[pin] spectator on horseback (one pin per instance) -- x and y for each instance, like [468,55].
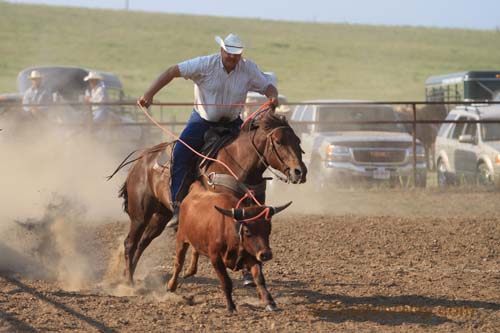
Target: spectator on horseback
[97,93]
[220,81]
[36,94]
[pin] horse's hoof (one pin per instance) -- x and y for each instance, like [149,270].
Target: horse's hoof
[171,286]
[189,274]
[231,309]
[271,307]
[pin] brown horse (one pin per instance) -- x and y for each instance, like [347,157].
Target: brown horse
[266,141]
[425,132]
[234,242]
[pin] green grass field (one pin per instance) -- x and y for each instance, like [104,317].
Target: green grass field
[312,60]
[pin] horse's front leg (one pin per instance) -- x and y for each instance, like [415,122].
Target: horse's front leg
[258,277]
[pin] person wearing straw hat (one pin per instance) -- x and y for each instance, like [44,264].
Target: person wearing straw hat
[36,94]
[220,81]
[96,93]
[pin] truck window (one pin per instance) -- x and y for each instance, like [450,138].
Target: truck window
[443,129]
[459,127]
[297,113]
[329,115]
[308,113]
[490,131]
[470,129]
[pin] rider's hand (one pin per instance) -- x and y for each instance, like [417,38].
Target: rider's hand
[274,101]
[145,101]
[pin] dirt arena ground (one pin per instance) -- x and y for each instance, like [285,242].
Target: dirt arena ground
[355,260]
[347,261]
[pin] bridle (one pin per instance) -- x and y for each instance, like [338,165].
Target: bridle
[270,142]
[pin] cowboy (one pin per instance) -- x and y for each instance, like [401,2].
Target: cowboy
[96,93]
[36,94]
[221,78]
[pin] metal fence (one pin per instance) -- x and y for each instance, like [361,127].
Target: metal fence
[168,114]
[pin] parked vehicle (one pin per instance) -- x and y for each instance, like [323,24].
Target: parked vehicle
[256,98]
[463,86]
[469,151]
[66,86]
[339,153]
[259,99]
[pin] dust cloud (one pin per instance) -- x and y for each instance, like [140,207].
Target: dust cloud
[55,198]
[382,200]
[53,185]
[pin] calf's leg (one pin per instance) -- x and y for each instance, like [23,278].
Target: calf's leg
[180,255]
[225,281]
[264,294]
[193,265]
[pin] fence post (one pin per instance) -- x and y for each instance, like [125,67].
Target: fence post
[89,117]
[172,119]
[414,144]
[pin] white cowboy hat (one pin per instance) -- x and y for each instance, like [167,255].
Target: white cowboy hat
[35,75]
[231,44]
[92,76]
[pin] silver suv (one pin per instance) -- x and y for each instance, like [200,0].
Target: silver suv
[469,151]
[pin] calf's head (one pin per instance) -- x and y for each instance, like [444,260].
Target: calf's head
[253,226]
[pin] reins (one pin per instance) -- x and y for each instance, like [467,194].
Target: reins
[263,159]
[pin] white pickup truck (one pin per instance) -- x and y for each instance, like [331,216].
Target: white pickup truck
[340,153]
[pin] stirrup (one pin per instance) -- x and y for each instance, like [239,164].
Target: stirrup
[248,280]
[174,220]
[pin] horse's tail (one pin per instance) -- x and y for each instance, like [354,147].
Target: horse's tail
[124,163]
[123,193]
[144,152]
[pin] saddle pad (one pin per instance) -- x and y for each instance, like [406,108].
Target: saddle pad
[215,139]
[164,158]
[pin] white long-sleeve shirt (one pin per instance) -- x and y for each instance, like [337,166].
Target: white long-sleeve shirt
[213,85]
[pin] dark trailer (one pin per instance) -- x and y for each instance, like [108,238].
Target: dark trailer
[463,87]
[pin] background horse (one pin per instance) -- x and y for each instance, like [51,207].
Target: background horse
[425,132]
[266,140]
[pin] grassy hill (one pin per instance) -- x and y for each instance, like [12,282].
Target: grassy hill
[312,60]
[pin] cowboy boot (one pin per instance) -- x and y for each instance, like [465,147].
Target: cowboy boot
[174,220]
[247,278]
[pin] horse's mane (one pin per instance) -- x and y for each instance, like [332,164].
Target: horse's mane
[267,120]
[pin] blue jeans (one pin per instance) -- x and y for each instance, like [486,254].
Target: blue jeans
[183,158]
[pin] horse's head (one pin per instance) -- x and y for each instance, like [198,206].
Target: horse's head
[253,225]
[277,145]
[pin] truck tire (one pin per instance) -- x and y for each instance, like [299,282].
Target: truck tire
[442,175]
[484,176]
[421,180]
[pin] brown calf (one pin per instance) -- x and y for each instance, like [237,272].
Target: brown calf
[227,243]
